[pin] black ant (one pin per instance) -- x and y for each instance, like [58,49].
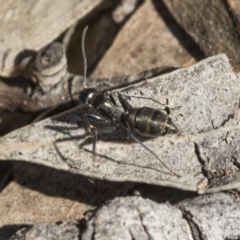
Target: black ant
[149,122]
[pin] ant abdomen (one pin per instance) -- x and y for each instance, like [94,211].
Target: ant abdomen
[149,122]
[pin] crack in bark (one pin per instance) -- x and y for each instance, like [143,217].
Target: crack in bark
[144,227]
[230,116]
[197,232]
[201,161]
[133,238]
[236,163]
[94,231]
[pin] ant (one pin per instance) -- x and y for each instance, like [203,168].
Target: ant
[148,122]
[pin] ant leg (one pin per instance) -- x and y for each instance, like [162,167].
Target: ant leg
[101,125]
[135,96]
[152,99]
[112,99]
[167,109]
[125,104]
[92,131]
[148,149]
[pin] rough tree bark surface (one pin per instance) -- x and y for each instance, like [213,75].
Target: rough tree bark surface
[206,101]
[213,217]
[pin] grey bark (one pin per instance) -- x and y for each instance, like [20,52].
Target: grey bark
[213,216]
[206,217]
[20,28]
[206,101]
[67,230]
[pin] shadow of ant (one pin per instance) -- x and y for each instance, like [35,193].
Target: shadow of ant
[105,129]
[75,120]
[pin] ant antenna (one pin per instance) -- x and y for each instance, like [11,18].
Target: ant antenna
[84,58]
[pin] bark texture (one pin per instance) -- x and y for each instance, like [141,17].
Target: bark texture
[206,101]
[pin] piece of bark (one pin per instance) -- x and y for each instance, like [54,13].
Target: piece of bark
[68,230]
[208,98]
[136,218]
[209,23]
[43,72]
[208,217]
[213,216]
[31,25]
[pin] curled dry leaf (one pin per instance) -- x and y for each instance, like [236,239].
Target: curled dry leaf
[205,102]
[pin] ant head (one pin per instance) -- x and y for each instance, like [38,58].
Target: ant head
[87,94]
